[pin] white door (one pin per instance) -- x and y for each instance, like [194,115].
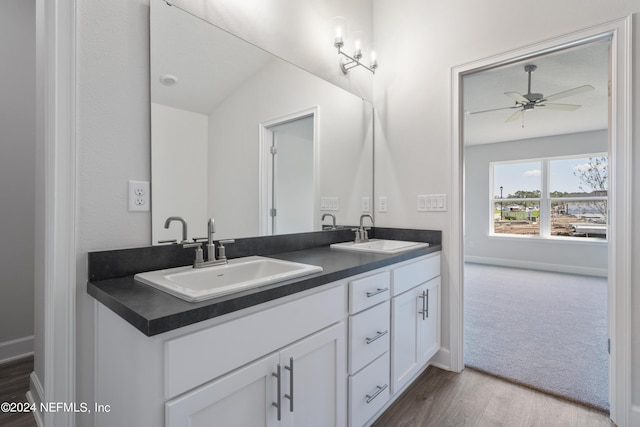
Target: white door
[292,182]
[404,337]
[242,398]
[314,380]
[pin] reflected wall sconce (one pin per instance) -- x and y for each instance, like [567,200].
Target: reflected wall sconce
[351,61]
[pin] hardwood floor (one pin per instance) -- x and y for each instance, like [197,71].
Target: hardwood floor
[14,384]
[440,398]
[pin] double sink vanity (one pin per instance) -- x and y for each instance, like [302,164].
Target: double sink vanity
[309,329]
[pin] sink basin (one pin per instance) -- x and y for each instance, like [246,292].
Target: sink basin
[198,284]
[378,246]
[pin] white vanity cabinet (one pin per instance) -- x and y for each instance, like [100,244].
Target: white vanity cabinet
[369,339]
[221,372]
[415,318]
[298,386]
[336,355]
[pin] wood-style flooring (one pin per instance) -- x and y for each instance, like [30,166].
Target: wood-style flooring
[14,384]
[440,398]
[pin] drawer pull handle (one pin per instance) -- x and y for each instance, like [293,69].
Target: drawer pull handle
[374,395]
[290,395]
[376,292]
[278,404]
[378,335]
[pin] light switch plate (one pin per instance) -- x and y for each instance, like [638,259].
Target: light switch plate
[382,204]
[432,203]
[329,203]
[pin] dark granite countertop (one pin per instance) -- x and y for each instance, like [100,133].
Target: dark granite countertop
[153,312]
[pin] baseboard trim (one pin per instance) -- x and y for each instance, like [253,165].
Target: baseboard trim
[557,268]
[442,359]
[15,349]
[34,396]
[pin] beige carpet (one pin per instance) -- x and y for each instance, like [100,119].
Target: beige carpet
[542,329]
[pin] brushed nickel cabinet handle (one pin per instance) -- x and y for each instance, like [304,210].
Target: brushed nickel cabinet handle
[378,335]
[424,297]
[376,292]
[290,395]
[278,404]
[374,395]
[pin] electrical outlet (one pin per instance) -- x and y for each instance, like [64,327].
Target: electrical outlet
[139,196]
[365,204]
[382,204]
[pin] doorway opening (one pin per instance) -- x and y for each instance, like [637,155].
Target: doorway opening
[619,199]
[288,176]
[536,150]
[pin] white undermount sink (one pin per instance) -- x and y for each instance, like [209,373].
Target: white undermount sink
[379,246]
[198,284]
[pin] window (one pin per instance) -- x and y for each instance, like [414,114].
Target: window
[551,197]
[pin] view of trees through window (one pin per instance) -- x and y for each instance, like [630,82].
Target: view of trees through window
[551,197]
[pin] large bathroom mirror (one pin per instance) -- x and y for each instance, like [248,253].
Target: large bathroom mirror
[247,138]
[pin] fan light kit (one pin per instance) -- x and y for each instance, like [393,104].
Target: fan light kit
[530,101]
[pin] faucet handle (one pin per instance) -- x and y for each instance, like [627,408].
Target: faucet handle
[199,253]
[222,250]
[167,241]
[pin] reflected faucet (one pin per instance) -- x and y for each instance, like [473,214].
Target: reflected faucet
[211,249]
[361,233]
[333,219]
[184,226]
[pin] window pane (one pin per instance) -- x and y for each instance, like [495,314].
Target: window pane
[579,218]
[581,177]
[517,181]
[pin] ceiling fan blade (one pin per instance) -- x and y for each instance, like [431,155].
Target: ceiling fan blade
[518,97]
[494,109]
[563,107]
[570,92]
[515,116]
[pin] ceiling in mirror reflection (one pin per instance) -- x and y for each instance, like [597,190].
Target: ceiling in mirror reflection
[206,147]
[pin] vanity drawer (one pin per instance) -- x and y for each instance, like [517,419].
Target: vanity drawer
[368,391]
[369,336]
[411,275]
[194,359]
[368,291]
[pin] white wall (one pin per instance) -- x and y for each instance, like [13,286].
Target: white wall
[424,41]
[345,147]
[298,31]
[17,176]
[179,173]
[557,255]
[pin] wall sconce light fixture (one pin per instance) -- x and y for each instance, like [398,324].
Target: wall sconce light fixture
[351,61]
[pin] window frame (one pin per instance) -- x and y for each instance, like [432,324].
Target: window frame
[545,201]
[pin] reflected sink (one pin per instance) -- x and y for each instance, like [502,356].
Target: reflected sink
[378,246]
[198,284]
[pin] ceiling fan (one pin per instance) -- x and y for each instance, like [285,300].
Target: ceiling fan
[529,101]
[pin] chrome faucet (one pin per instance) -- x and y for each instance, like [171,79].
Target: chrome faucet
[184,226]
[333,219]
[361,233]
[211,249]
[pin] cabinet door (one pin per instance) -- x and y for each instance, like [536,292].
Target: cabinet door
[314,380]
[242,398]
[429,320]
[404,337]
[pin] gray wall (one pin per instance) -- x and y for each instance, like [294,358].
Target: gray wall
[553,255]
[17,168]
